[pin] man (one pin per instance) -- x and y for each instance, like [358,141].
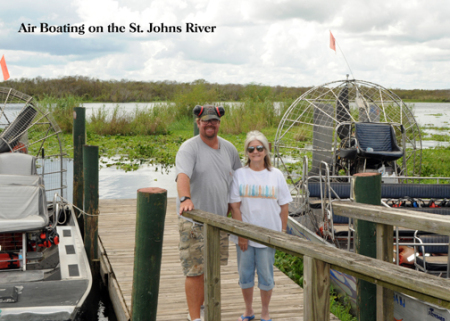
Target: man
[204,165]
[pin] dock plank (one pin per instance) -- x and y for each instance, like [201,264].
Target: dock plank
[117,223]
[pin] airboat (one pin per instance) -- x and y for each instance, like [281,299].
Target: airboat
[44,271]
[346,127]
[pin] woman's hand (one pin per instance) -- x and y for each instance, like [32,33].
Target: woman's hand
[243,244]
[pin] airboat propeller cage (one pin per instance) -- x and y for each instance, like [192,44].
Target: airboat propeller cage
[27,127]
[11,136]
[321,123]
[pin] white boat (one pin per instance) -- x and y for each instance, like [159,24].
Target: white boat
[44,271]
[345,127]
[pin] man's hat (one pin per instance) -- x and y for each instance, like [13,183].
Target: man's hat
[208,112]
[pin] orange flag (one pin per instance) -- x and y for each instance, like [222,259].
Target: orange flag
[332,42]
[4,68]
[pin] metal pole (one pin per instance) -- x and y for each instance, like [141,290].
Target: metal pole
[196,132]
[90,165]
[151,213]
[79,139]
[367,190]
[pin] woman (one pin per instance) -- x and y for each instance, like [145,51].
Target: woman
[259,195]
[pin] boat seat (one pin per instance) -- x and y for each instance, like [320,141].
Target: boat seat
[433,238]
[22,276]
[438,259]
[380,138]
[22,194]
[17,164]
[388,190]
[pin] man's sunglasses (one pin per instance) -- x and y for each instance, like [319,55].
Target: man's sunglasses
[251,149]
[211,121]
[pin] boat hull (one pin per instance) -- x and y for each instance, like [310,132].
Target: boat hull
[406,308]
[45,293]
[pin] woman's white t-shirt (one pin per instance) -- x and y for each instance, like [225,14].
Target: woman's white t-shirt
[261,194]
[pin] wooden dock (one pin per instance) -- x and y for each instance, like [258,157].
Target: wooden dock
[116,234]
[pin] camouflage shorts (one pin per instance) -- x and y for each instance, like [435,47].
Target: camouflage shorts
[191,247]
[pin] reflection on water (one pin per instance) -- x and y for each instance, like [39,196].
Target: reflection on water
[431,114]
[114,183]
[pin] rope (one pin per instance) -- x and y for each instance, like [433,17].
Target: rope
[79,209]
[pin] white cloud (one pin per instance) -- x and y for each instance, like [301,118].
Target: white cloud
[279,42]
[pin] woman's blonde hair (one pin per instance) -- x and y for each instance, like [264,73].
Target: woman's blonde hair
[257,135]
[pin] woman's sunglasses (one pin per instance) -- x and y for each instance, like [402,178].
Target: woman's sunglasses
[251,149]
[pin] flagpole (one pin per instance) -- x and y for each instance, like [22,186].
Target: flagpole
[333,43]
[351,72]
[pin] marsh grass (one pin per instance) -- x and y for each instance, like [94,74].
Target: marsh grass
[61,110]
[143,121]
[436,162]
[187,98]
[258,110]
[252,114]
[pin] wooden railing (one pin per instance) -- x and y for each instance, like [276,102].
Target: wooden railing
[318,259]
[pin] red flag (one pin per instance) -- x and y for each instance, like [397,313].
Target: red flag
[4,68]
[332,42]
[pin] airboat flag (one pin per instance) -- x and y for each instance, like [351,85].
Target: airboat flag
[332,42]
[4,68]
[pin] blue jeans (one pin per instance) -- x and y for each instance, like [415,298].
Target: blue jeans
[261,259]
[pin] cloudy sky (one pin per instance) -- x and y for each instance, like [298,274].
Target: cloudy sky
[395,43]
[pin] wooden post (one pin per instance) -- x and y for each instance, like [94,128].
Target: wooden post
[90,166]
[212,273]
[151,214]
[316,287]
[79,139]
[196,132]
[385,252]
[367,190]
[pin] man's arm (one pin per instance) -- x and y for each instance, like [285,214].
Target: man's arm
[184,189]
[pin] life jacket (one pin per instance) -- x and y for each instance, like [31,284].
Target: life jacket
[20,147]
[47,238]
[9,260]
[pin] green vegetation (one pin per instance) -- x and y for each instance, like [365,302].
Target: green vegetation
[292,266]
[153,134]
[61,110]
[91,89]
[143,121]
[436,162]
[421,95]
[95,90]
[430,126]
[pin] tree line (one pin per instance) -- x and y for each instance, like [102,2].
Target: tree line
[95,90]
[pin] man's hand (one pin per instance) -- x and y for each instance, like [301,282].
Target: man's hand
[187,205]
[184,189]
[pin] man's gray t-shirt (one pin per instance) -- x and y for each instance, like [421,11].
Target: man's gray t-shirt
[210,172]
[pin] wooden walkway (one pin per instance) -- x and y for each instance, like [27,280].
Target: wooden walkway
[116,234]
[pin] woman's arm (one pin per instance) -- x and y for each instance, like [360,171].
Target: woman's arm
[237,215]
[284,216]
